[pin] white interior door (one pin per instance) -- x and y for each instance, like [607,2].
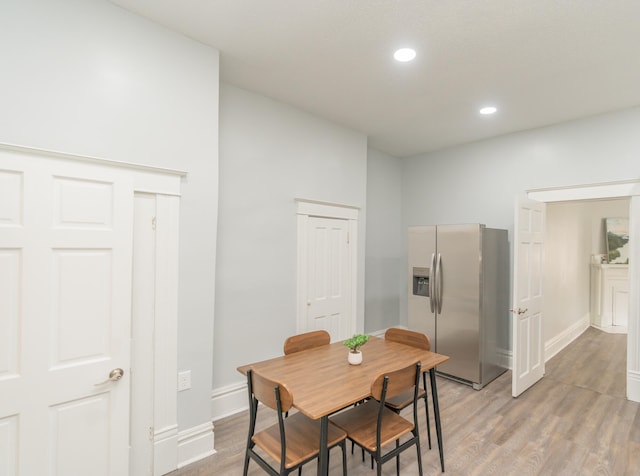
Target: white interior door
[527,337]
[328,280]
[65,306]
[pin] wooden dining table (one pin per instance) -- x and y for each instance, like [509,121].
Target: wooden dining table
[323,382]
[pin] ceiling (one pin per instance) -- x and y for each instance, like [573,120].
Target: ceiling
[540,62]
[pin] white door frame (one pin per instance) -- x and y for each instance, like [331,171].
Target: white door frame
[305,209]
[165,185]
[154,408]
[631,189]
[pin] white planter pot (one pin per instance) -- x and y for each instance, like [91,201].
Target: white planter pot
[355,358]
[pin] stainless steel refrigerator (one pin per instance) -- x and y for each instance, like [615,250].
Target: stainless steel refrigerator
[459,297]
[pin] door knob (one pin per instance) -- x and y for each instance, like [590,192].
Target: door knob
[519,311]
[114,376]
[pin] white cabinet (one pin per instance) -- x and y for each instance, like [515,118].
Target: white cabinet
[609,295]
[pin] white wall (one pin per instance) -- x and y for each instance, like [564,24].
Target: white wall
[271,154]
[574,232]
[479,182]
[385,261]
[86,77]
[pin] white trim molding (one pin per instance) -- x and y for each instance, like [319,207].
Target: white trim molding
[195,444]
[633,386]
[165,456]
[229,400]
[633,336]
[566,337]
[594,191]
[505,358]
[326,209]
[86,158]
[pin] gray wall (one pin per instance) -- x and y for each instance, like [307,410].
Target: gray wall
[271,154]
[87,77]
[385,261]
[479,182]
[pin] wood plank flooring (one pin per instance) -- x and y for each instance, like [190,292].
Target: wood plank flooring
[575,421]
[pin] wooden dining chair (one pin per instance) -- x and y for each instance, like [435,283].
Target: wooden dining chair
[304,341]
[421,341]
[307,340]
[291,442]
[373,426]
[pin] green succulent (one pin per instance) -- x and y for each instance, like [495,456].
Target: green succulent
[357,341]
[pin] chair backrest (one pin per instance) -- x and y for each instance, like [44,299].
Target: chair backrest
[265,391]
[412,338]
[305,341]
[390,384]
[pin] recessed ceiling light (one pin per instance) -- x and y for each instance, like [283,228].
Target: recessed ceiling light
[488,110]
[404,54]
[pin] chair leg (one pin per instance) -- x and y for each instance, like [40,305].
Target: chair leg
[397,459]
[343,445]
[426,411]
[426,406]
[436,413]
[419,459]
[246,464]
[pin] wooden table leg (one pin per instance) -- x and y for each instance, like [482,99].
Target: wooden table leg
[436,411]
[323,457]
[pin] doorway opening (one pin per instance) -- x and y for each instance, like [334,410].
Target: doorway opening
[629,190]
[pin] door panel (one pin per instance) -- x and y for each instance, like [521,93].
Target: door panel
[80,305]
[65,234]
[328,283]
[73,426]
[458,324]
[10,260]
[527,339]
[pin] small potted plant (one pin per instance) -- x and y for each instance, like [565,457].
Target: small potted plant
[354,343]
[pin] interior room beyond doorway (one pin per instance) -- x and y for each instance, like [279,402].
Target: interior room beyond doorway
[574,234]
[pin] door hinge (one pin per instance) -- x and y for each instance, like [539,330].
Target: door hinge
[348,238]
[153,223]
[150,433]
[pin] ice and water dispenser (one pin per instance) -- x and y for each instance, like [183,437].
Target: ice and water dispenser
[421,282]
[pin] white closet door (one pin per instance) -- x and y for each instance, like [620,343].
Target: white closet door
[328,282]
[65,306]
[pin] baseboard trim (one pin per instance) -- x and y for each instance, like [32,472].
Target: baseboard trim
[505,358]
[195,443]
[229,400]
[165,450]
[566,337]
[633,385]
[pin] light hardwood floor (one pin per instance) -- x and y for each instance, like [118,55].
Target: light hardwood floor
[575,421]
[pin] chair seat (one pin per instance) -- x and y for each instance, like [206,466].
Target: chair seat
[360,424]
[302,439]
[402,401]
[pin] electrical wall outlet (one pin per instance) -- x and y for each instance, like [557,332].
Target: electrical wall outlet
[184,380]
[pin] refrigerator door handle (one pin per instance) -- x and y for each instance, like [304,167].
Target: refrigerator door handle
[439,284]
[432,284]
